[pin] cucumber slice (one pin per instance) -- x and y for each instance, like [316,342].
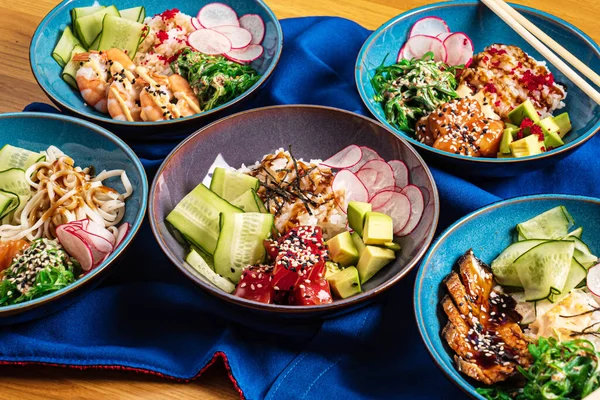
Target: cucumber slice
[9,202]
[197,217]
[136,14]
[503,267]
[259,203]
[241,243]
[70,71]
[543,270]
[13,181]
[16,157]
[200,265]
[576,233]
[88,28]
[552,224]
[95,44]
[246,202]
[120,33]
[64,47]
[84,11]
[205,256]
[583,254]
[577,274]
[230,184]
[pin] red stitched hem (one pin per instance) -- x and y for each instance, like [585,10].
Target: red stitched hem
[142,371]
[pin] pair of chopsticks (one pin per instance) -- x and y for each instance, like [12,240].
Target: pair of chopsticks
[534,36]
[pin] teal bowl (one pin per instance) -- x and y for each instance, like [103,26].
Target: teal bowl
[487,231]
[485,28]
[48,73]
[87,144]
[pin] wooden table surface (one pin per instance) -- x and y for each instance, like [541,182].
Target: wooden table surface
[18,20]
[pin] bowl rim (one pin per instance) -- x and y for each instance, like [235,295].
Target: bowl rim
[106,119]
[359,71]
[135,226]
[452,374]
[284,309]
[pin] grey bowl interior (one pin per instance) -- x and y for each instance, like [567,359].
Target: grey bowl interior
[314,132]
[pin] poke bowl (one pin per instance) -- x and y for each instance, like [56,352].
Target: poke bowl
[290,227]
[465,89]
[506,298]
[139,67]
[73,198]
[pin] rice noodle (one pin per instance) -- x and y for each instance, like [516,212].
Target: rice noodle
[63,193]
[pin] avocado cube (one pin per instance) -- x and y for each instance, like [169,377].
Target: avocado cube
[502,155]
[356,215]
[378,229]
[528,146]
[550,130]
[331,269]
[564,124]
[358,243]
[525,110]
[548,124]
[372,260]
[342,249]
[508,125]
[392,246]
[345,283]
[507,139]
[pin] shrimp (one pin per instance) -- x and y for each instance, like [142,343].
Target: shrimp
[92,79]
[187,102]
[155,98]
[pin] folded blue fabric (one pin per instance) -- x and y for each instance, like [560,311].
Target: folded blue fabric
[147,316]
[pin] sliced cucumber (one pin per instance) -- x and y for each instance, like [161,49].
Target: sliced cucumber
[230,184]
[583,254]
[136,14]
[576,233]
[13,181]
[200,265]
[503,267]
[205,256]
[84,11]
[246,202]
[70,71]
[543,270]
[577,274]
[241,242]
[64,47]
[16,157]
[95,44]
[9,202]
[88,28]
[120,33]
[197,217]
[552,224]
[261,205]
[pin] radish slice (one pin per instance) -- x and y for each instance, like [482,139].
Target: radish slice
[593,281]
[123,231]
[460,49]
[431,26]
[345,158]
[400,173]
[355,190]
[76,247]
[368,154]
[255,25]
[443,36]
[217,14]
[209,42]
[239,37]
[416,209]
[196,24]
[396,205]
[417,46]
[101,231]
[376,176]
[99,247]
[247,54]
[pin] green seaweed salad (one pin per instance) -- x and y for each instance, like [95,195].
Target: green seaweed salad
[411,89]
[560,370]
[215,79]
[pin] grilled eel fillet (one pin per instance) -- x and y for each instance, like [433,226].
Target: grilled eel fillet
[482,325]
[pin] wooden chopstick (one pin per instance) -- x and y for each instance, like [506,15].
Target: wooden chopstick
[542,49]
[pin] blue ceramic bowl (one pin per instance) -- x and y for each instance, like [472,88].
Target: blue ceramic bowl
[88,144]
[485,28]
[48,73]
[487,231]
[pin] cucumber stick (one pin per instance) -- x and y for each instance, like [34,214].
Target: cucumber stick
[241,243]
[88,28]
[120,33]
[503,267]
[552,224]
[230,184]
[543,270]
[16,157]
[64,47]
[197,217]
[247,202]
[201,266]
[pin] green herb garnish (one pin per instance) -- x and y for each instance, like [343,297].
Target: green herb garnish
[413,88]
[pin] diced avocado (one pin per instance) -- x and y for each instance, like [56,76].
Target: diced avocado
[502,155]
[372,260]
[331,269]
[527,146]
[564,124]
[358,243]
[345,283]
[342,249]
[392,246]
[356,215]
[548,124]
[507,139]
[550,130]
[525,110]
[378,229]
[508,125]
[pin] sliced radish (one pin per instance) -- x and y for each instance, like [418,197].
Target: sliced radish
[400,173]
[394,204]
[101,231]
[247,54]
[99,247]
[355,190]
[443,36]
[345,158]
[122,232]
[209,42]
[417,205]
[593,281]
[376,176]
[460,49]
[76,247]
[196,24]
[217,14]
[239,37]
[431,26]
[419,45]
[255,25]
[368,154]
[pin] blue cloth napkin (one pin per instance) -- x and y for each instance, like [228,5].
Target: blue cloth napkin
[148,317]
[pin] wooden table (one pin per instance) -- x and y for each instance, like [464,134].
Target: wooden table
[18,20]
